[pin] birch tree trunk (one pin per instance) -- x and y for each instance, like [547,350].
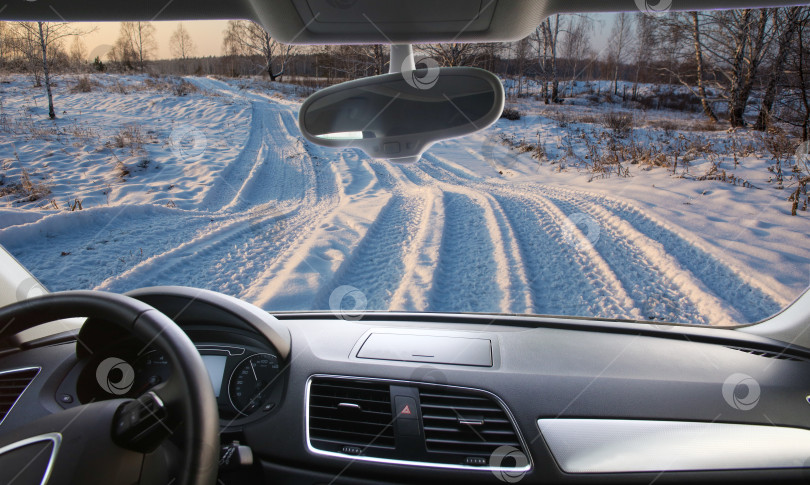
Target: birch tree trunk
[783,47]
[704,101]
[44,47]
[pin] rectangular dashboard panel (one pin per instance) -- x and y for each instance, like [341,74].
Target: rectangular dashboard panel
[433,349]
[630,446]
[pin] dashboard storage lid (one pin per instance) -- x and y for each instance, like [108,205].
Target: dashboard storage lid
[435,349]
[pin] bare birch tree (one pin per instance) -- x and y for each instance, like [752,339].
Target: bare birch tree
[246,38]
[38,41]
[180,43]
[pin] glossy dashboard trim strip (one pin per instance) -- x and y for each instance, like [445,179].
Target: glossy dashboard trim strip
[628,446]
[500,471]
[56,438]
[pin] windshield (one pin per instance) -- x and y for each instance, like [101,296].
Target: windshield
[648,166]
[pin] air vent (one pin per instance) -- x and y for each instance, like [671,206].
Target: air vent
[12,385]
[767,353]
[466,427]
[351,417]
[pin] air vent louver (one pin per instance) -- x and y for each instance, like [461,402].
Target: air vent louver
[464,426]
[767,353]
[12,385]
[350,416]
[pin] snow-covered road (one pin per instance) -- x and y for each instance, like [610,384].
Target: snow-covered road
[284,224]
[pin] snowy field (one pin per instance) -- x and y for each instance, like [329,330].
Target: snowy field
[217,189]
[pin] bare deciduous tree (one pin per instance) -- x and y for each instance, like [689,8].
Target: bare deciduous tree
[180,44]
[619,45]
[37,42]
[246,38]
[576,43]
[547,35]
[454,54]
[135,43]
[78,52]
[786,22]
[792,106]
[645,46]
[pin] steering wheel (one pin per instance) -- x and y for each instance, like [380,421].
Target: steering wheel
[108,441]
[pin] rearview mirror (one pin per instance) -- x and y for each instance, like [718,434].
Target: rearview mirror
[399,115]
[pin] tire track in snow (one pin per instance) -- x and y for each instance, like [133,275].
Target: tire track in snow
[563,281]
[230,180]
[413,292]
[416,175]
[376,266]
[660,287]
[444,171]
[519,294]
[669,293]
[510,273]
[122,237]
[247,243]
[281,198]
[466,277]
[279,173]
[521,277]
[740,293]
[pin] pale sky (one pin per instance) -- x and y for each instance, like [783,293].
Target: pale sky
[206,34]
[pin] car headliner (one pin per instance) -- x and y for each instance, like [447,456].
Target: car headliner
[361,21]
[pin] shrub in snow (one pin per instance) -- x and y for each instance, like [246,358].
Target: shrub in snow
[620,123]
[511,114]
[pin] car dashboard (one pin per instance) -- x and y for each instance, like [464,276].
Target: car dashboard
[427,398]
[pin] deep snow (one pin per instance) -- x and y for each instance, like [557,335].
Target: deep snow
[221,192]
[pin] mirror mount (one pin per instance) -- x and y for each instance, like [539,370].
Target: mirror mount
[401,58]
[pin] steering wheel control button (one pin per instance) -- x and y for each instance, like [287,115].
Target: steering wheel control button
[234,455]
[139,424]
[66,398]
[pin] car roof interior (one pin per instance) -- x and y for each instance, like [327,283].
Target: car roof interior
[358,21]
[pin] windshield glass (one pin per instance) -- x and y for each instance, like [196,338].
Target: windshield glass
[648,166]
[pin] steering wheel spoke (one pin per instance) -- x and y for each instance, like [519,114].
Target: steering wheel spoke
[109,440]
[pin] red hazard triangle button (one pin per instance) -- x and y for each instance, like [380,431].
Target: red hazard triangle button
[406,407]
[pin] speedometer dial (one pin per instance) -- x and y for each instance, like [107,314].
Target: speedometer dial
[251,382]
